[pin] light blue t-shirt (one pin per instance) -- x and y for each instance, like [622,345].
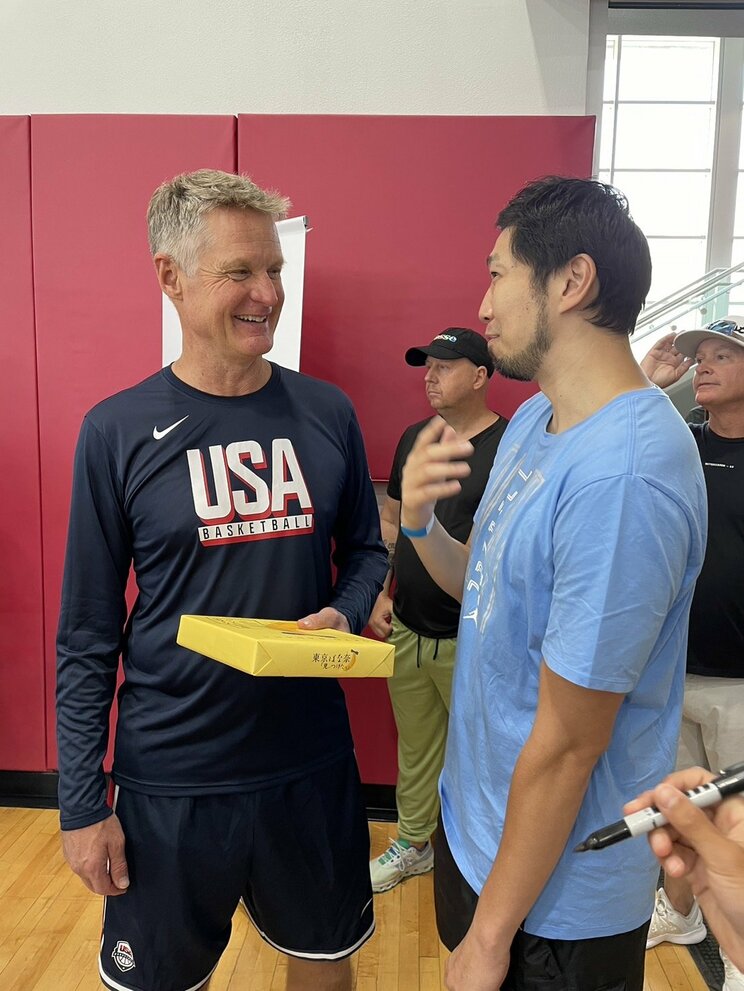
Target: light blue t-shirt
[585,550]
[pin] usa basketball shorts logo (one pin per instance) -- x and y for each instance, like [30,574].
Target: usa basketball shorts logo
[123,956]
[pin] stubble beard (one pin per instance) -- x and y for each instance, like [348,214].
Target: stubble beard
[524,366]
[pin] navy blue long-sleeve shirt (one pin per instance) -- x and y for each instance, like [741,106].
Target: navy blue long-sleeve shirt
[224,506]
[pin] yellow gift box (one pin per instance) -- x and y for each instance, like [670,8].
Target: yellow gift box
[275,648]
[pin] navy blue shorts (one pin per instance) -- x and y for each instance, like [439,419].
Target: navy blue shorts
[296,853]
[603,963]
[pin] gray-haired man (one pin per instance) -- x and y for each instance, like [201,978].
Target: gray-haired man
[223,480]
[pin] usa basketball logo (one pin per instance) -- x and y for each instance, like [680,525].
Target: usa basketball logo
[123,956]
[241,493]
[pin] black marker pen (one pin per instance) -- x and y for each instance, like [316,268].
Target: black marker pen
[729,782]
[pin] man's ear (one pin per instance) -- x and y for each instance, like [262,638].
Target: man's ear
[481,377]
[580,285]
[169,276]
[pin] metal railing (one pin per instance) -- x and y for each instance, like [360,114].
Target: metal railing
[707,297]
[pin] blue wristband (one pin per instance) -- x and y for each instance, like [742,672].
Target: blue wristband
[415,534]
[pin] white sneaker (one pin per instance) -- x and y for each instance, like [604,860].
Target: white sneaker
[733,978]
[399,862]
[670,926]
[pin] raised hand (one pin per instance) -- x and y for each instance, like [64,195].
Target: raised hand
[664,364]
[432,471]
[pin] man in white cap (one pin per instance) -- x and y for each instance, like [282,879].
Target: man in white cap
[713,716]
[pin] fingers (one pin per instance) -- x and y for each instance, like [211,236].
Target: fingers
[381,628]
[432,471]
[688,779]
[663,346]
[439,442]
[685,780]
[310,622]
[642,802]
[676,858]
[96,854]
[680,860]
[327,618]
[729,817]
[380,621]
[424,490]
[96,878]
[100,883]
[689,821]
[437,466]
[684,365]
[666,343]
[664,350]
[432,432]
[118,870]
[691,835]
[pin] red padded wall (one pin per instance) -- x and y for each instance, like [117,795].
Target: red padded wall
[22,727]
[98,305]
[403,212]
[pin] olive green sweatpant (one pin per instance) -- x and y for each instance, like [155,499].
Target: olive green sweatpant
[420,691]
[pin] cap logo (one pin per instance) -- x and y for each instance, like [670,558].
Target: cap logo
[123,956]
[446,337]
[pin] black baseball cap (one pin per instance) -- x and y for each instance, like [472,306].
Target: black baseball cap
[454,342]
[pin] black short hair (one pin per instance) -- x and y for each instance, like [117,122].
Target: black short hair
[554,219]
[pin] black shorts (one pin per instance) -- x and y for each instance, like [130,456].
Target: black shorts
[296,853]
[604,963]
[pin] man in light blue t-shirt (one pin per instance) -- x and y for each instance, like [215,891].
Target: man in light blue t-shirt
[575,588]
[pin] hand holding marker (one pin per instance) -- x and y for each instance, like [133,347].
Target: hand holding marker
[730,782]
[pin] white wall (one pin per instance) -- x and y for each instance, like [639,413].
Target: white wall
[294,56]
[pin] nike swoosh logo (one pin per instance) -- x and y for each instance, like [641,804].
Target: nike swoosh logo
[159,434]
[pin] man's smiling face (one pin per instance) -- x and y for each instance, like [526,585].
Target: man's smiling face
[232,302]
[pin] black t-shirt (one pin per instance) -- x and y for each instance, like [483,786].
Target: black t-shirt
[716,645]
[418,601]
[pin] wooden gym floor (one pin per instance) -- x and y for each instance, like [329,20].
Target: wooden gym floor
[49,928]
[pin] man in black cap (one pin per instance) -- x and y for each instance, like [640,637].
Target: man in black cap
[420,619]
